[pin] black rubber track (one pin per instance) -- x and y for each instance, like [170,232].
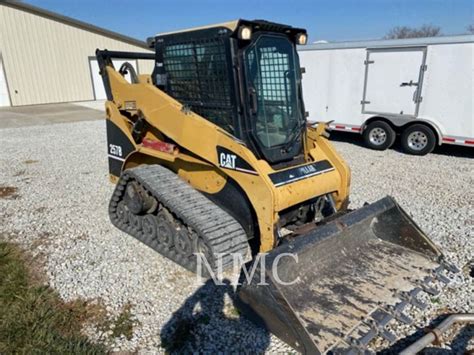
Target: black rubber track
[187,210]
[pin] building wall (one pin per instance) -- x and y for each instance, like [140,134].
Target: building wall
[47,61]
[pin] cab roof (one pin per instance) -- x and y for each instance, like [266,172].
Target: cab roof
[257,25]
[231,25]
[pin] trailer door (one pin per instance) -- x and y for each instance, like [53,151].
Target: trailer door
[393,81]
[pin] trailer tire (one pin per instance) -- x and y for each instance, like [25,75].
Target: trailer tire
[379,135]
[418,139]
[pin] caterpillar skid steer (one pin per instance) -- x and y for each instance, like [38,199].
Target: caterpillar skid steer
[211,154]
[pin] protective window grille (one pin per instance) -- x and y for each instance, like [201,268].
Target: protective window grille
[198,77]
[274,70]
[270,69]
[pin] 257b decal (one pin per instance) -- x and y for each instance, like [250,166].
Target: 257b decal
[115,150]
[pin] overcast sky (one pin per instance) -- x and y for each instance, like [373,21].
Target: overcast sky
[329,20]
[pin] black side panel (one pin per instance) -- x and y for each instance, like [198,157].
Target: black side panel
[232,199]
[118,147]
[301,172]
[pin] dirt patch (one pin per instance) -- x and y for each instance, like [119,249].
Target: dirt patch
[9,192]
[30,161]
[41,209]
[82,236]
[468,269]
[44,239]
[178,274]
[19,173]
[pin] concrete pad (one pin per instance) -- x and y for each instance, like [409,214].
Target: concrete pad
[35,115]
[95,105]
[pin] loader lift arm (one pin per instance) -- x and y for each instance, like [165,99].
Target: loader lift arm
[104,59]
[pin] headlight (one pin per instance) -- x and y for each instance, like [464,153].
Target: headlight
[301,38]
[245,32]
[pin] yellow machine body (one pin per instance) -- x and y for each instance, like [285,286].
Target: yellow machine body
[196,161]
[211,156]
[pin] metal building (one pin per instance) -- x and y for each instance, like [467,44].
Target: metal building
[47,58]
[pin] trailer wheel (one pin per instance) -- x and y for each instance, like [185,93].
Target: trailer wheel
[379,135]
[418,140]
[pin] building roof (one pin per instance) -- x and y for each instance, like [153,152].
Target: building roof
[406,42]
[72,22]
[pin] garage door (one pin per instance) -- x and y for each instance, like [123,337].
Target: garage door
[393,81]
[99,91]
[4,97]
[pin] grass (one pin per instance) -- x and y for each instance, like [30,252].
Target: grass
[121,325]
[33,318]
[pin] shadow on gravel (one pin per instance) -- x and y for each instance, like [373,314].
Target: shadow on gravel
[201,325]
[345,137]
[445,149]
[458,345]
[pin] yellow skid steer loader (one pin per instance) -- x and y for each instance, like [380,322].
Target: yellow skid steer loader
[211,154]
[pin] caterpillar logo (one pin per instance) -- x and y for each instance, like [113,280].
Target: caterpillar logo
[227,160]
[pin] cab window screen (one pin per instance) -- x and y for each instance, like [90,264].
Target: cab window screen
[270,67]
[198,76]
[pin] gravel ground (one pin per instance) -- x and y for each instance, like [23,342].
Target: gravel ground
[59,212]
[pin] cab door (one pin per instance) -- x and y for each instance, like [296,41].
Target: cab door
[393,81]
[271,70]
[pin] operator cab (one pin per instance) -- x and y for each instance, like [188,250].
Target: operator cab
[243,76]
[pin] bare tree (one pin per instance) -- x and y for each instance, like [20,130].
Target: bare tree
[470,29]
[413,32]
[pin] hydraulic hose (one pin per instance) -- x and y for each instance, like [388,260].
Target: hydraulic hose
[128,68]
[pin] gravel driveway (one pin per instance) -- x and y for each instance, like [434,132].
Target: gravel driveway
[59,211]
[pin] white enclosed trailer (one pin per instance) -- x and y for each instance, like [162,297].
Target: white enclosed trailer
[420,89]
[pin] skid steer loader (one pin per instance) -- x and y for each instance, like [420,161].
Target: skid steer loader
[211,154]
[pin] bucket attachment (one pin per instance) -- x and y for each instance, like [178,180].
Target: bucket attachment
[340,284]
